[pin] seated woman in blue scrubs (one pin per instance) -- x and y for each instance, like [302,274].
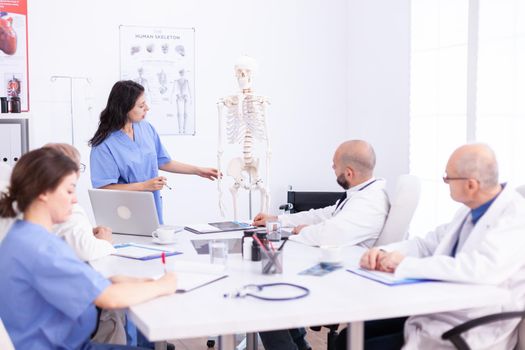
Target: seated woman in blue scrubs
[47,295]
[126,150]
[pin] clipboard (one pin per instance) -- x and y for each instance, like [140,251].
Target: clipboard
[222,226]
[141,252]
[197,281]
[384,277]
[194,275]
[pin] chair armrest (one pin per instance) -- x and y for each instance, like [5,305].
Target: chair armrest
[286,207]
[454,334]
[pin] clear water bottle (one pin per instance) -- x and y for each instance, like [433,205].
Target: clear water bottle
[247,248]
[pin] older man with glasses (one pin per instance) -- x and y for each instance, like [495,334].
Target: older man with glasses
[483,244]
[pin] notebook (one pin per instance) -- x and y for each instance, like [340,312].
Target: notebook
[141,252]
[194,275]
[223,226]
[189,281]
[384,277]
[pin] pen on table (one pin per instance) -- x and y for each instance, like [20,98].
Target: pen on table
[163,257]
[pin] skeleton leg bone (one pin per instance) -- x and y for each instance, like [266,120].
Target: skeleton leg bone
[235,169]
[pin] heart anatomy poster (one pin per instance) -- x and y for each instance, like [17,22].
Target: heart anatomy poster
[14,80]
[162,60]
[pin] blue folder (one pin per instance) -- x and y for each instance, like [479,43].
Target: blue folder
[383,277]
[141,252]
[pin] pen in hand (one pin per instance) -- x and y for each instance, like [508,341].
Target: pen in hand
[169,188]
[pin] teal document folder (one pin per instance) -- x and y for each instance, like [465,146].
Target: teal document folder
[384,277]
[141,252]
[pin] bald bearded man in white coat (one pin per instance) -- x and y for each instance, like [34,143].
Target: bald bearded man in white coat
[483,244]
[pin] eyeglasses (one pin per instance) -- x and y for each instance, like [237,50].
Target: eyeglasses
[82,167]
[447,178]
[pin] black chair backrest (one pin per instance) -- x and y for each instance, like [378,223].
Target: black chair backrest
[303,201]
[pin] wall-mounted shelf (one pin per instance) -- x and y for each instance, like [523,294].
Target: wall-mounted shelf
[14,137]
[10,116]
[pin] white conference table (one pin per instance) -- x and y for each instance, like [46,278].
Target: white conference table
[338,297]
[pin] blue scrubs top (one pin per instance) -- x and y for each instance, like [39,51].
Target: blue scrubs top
[120,160]
[46,292]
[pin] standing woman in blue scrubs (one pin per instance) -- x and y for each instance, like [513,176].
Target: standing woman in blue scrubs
[126,150]
[47,295]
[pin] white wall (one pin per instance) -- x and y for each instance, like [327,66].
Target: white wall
[303,52]
[379,80]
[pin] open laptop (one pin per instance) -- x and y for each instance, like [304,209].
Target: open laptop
[125,212]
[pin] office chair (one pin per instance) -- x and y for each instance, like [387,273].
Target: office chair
[454,334]
[403,203]
[5,341]
[303,201]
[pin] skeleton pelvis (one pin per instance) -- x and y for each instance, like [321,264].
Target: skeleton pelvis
[237,166]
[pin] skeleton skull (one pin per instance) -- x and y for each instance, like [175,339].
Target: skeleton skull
[244,69]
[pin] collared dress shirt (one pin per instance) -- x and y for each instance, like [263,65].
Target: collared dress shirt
[356,221]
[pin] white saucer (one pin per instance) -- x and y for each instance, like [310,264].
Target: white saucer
[157,241]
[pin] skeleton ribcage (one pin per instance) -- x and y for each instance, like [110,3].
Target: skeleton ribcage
[246,122]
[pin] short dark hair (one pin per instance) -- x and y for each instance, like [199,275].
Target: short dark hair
[36,172]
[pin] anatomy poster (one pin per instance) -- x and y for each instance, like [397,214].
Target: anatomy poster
[14,80]
[163,61]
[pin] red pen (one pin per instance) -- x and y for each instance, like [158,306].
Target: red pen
[163,257]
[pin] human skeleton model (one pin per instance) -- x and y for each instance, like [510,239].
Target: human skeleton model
[245,122]
[181,88]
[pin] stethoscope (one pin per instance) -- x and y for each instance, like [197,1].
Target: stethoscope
[249,290]
[340,205]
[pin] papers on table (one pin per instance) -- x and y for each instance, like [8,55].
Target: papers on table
[384,277]
[192,275]
[141,252]
[213,227]
[202,228]
[188,281]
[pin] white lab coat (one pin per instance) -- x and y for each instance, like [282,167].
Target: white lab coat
[77,231]
[358,222]
[493,253]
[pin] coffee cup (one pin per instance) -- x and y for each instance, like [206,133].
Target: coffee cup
[330,254]
[164,234]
